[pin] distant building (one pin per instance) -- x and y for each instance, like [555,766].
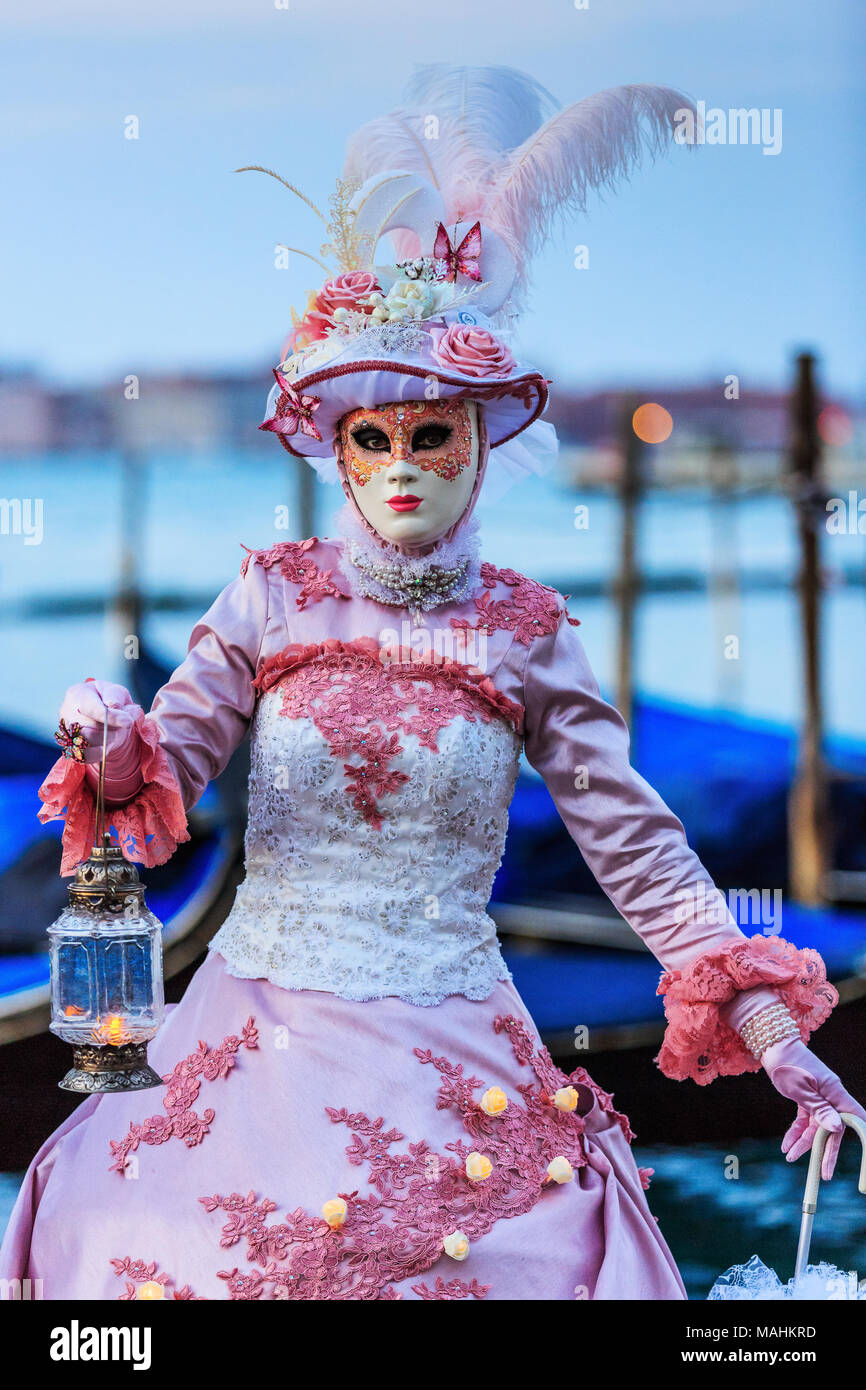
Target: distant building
[197,413]
[712,436]
[27,414]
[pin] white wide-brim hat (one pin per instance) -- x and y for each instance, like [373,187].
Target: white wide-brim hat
[465,180]
[401,362]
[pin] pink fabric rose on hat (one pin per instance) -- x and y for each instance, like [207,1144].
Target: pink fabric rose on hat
[347,292]
[472,352]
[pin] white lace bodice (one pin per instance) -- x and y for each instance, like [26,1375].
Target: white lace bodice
[334,902]
[384,760]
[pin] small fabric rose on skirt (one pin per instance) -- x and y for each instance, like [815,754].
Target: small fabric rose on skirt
[478,1167]
[456,1245]
[559,1170]
[151,1290]
[494,1101]
[566,1099]
[334,1212]
[472,352]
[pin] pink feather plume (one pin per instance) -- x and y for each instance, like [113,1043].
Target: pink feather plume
[495,144]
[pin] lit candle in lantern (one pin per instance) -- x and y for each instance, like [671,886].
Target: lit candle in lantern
[112,1033]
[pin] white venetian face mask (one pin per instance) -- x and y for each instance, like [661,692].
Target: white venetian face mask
[411,466]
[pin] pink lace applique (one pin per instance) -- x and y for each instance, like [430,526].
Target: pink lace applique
[180,1121]
[148,828]
[417,1198]
[361,704]
[531,610]
[543,1065]
[298,567]
[137,1272]
[697,1042]
[455,1288]
[646,1176]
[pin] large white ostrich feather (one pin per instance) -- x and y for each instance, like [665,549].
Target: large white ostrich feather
[493,142]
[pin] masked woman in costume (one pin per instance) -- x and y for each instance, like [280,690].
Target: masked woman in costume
[357,1102]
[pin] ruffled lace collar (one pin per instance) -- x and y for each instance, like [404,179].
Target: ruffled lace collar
[380,571]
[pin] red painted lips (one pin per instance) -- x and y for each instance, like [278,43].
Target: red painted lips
[404,502]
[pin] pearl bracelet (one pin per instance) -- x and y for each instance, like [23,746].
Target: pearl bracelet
[769,1026]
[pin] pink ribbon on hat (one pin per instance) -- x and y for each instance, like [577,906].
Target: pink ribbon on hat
[293,412]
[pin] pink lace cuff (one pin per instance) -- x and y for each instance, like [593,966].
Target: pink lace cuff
[148,829]
[698,1043]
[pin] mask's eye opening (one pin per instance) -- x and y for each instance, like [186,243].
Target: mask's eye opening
[371,438]
[431,436]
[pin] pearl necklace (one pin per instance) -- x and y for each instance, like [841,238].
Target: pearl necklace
[395,585]
[416,582]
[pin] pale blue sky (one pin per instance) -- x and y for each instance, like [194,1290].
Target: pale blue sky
[131,256]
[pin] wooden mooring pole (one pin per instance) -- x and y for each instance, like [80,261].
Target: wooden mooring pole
[306,499]
[808,829]
[628,580]
[126,612]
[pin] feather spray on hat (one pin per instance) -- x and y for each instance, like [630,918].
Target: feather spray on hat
[467,178]
[496,146]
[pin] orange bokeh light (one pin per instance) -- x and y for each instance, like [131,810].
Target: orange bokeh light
[652,423]
[834,426]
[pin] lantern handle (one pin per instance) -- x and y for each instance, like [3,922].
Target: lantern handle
[100,785]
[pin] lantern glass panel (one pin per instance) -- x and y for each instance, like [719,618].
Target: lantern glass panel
[106,976]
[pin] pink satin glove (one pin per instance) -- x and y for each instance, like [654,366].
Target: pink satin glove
[819,1094]
[93,704]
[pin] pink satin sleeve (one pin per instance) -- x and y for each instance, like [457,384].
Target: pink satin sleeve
[204,711]
[634,845]
[638,852]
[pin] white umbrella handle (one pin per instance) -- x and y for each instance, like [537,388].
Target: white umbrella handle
[813,1182]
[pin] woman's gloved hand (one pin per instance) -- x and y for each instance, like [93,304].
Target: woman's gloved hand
[819,1095]
[95,704]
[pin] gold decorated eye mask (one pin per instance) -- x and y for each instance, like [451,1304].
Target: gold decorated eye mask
[435,435]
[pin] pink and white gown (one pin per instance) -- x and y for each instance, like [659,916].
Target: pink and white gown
[354,1010]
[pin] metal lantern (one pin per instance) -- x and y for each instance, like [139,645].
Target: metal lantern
[106,976]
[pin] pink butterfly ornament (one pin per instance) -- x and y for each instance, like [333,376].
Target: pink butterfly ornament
[462,258]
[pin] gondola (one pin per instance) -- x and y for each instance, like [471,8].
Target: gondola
[586,978]
[729,780]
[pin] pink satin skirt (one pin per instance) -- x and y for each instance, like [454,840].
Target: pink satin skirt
[278,1102]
